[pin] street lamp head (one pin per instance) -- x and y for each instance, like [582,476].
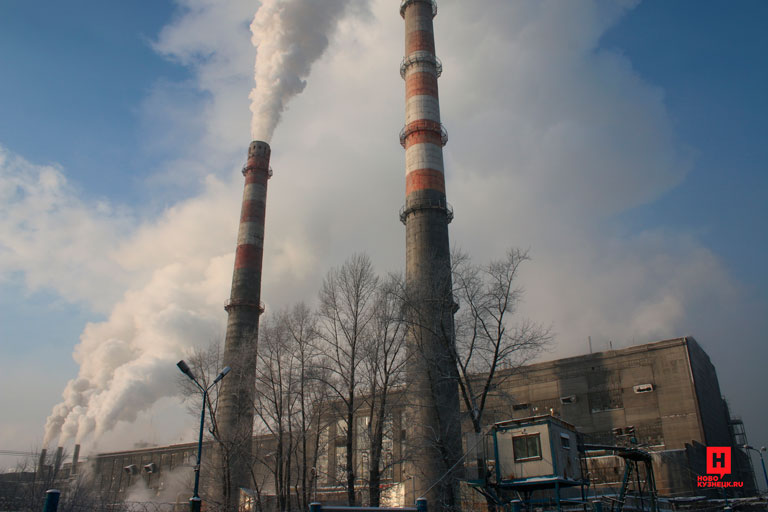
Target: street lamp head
[221,375]
[185,369]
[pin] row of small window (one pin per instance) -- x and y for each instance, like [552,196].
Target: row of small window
[571,399]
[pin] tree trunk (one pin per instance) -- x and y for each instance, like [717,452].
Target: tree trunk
[374,485]
[350,458]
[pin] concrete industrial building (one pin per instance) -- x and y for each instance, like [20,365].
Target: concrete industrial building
[667,390]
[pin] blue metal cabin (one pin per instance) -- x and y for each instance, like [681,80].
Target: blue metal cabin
[538,453]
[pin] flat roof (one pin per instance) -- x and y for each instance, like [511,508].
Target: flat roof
[534,420]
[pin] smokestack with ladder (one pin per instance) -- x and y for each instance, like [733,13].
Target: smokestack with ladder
[244,308]
[434,439]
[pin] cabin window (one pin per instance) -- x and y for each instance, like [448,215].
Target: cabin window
[526,447]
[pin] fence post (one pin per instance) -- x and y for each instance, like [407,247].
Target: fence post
[51,500]
[421,505]
[315,507]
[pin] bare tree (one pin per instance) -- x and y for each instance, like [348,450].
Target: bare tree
[487,337]
[275,403]
[301,324]
[290,404]
[384,364]
[347,300]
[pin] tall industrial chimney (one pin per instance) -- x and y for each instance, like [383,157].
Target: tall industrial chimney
[57,460]
[434,436]
[41,464]
[75,460]
[244,307]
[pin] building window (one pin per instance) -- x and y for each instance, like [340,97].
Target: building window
[565,441]
[526,447]
[520,407]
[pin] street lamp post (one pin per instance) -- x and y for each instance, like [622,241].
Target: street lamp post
[762,461]
[195,502]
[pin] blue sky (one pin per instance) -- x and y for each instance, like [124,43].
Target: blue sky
[705,57]
[80,74]
[622,143]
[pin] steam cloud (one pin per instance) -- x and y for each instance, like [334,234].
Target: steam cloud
[290,36]
[542,155]
[126,363]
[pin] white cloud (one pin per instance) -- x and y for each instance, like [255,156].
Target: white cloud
[55,239]
[550,137]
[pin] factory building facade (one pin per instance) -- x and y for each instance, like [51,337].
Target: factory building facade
[666,393]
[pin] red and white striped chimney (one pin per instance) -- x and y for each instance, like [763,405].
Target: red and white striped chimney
[433,447]
[246,280]
[423,135]
[244,308]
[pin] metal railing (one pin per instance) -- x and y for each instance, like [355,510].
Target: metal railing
[420,56]
[424,125]
[246,168]
[421,506]
[405,3]
[405,211]
[243,304]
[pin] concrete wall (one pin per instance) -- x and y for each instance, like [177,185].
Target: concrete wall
[113,481]
[596,393]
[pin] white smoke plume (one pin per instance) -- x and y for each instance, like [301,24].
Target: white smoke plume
[551,135]
[290,35]
[179,265]
[127,361]
[176,483]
